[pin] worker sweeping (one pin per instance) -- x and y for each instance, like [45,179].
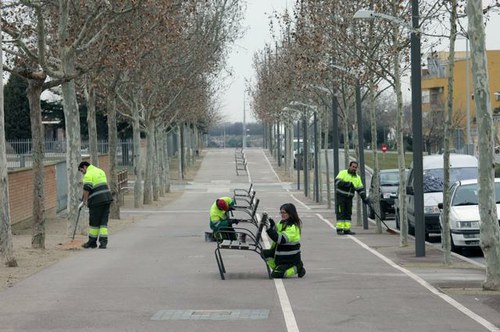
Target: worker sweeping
[98,198]
[348,182]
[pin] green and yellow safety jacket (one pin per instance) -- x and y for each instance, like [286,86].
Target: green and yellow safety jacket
[348,184]
[286,243]
[95,182]
[220,218]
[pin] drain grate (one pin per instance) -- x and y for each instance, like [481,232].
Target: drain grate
[244,314]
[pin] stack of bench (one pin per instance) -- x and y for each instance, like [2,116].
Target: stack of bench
[240,160]
[248,235]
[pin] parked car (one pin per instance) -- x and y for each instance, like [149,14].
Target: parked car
[396,203]
[464,213]
[462,167]
[389,181]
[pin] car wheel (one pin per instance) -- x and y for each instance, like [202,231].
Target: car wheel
[382,214]
[411,229]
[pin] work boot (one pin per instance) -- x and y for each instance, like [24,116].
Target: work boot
[103,243]
[348,232]
[91,243]
[340,231]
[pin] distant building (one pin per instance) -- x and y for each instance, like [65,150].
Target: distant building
[435,90]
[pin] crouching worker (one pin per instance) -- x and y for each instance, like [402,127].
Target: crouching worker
[284,256]
[219,219]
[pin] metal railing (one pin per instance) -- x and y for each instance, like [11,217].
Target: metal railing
[19,152]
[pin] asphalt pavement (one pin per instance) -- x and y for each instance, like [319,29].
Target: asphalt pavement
[159,274]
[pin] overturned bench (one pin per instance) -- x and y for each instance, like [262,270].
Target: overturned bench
[252,243]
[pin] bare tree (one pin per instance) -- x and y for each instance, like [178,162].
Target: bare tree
[6,249]
[490,233]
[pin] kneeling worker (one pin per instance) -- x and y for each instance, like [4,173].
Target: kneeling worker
[284,256]
[219,218]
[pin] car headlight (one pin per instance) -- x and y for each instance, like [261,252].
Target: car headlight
[468,224]
[386,195]
[431,209]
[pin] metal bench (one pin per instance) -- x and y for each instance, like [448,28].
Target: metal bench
[245,202]
[241,161]
[252,243]
[239,192]
[250,211]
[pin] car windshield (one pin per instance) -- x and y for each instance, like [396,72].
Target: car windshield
[467,194]
[389,179]
[433,178]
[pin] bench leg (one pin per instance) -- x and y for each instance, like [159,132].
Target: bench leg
[220,264]
[268,271]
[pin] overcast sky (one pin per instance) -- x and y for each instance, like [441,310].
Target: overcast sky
[257,34]
[257,25]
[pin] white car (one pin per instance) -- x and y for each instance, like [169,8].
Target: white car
[464,214]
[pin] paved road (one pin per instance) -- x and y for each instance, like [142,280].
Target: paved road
[160,275]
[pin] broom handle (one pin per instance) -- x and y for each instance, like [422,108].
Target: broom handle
[76,224]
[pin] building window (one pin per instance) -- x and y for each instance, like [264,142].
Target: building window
[425,96]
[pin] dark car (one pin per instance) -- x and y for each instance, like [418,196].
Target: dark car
[389,182]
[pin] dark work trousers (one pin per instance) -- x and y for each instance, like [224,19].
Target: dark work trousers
[98,221]
[343,207]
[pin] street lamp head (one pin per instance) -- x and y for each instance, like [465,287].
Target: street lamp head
[364,13]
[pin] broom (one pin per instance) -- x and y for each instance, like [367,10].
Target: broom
[388,229]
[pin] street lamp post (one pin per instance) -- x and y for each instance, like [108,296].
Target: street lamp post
[244,138]
[416,102]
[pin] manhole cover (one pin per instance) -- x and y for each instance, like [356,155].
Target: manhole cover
[245,314]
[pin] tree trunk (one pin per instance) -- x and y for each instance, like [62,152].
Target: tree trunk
[73,140]
[487,206]
[114,212]
[403,220]
[156,166]
[6,248]
[448,116]
[136,125]
[180,149]
[35,88]
[90,96]
[376,167]
[327,165]
[167,163]
[161,139]
[148,177]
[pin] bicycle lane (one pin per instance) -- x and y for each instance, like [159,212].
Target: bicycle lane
[350,286]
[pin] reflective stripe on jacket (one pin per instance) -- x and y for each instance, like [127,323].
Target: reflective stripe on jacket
[286,243]
[347,184]
[95,182]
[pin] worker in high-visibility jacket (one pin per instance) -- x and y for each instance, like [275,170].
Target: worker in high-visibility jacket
[98,198]
[347,182]
[284,256]
[220,222]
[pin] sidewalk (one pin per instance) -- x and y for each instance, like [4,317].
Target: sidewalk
[160,275]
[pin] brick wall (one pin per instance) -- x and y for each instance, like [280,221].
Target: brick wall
[21,190]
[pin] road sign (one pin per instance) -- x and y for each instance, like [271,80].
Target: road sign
[384,148]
